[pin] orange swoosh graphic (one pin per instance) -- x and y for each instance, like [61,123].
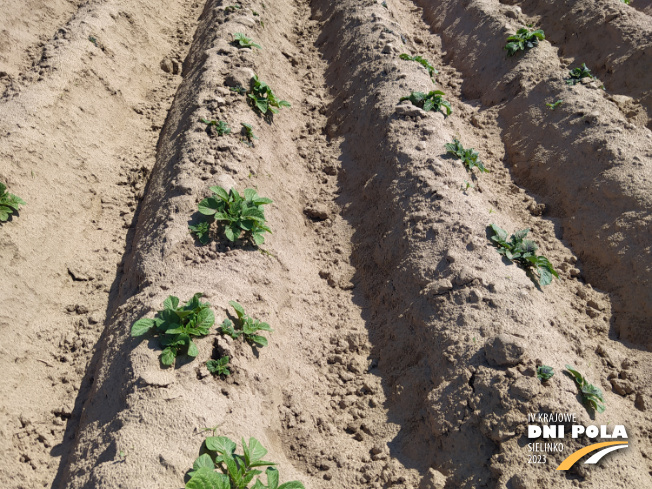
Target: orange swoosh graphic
[575,456]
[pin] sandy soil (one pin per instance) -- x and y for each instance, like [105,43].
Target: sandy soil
[389,305]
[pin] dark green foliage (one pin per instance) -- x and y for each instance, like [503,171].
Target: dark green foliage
[523,39]
[175,326]
[9,203]
[263,99]
[219,366]
[237,471]
[545,373]
[576,74]
[239,90]
[243,41]
[591,395]
[201,231]
[247,327]
[468,156]
[219,127]
[523,252]
[238,214]
[422,61]
[429,101]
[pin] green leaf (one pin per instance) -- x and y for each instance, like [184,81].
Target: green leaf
[500,233]
[260,340]
[262,200]
[239,310]
[545,277]
[168,356]
[209,206]
[205,319]
[250,194]
[193,351]
[545,373]
[171,302]
[254,452]
[220,444]
[142,326]
[204,460]
[272,478]
[292,485]
[204,479]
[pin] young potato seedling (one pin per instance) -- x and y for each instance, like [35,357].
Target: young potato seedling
[576,74]
[218,127]
[422,61]
[626,1]
[175,326]
[237,471]
[248,133]
[591,395]
[219,366]
[523,252]
[263,99]
[522,40]
[239,214]
[554,105]
[429,101]
[545,373]
[239,90]
[9,203]
[243,41]
[468,156]
[247,327]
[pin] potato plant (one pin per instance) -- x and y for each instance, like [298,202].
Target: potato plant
[243,41]
[545,373]
[222,468]
[429,101]
[219,366]
[236,213]
[9,203]
[248,133]
[218,127]
[468,156]
[523,39]
[576,74]
[247,327]
[591,395]
[176,326]
[263,99]
[523,252]
[422,61]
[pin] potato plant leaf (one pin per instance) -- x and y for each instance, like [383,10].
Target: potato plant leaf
[591,395]
[545,373]
[262,98]
[243,41]
[422,61]
[9,203]
[523,252]
[236,213]
[429,101]
[247,327]
[175,326]
[468,156]
[522,40]
[238,470]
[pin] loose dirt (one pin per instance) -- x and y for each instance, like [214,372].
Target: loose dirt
[404,350]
